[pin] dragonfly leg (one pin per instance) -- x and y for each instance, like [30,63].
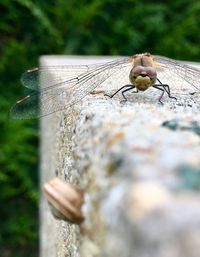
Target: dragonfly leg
[163,91]
[159,81]
[126,86]
[167,89]
[135,91]
[123,91]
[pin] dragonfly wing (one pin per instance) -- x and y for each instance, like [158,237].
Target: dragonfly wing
[180,76]
[51,75]
[27,107]
[66,93]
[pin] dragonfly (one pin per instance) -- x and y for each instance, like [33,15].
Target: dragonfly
[57,88]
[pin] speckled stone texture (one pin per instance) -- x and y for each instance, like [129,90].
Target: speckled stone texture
[139,166]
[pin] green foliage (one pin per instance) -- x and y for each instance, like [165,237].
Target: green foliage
[29,29]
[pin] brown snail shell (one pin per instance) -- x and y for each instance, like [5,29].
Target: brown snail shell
[65,200]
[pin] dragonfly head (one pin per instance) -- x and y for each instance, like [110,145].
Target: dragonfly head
[143,77]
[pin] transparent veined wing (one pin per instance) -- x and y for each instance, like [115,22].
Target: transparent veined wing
[61,92]
[52,75]
[179,76]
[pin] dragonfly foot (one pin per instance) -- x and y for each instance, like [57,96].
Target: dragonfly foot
[160,102]
[123,101]
[108,95]
[173,97]
[192,93]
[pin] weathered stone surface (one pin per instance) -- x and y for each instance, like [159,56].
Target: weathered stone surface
[141,179]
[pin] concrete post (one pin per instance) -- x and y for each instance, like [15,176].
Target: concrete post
[138,164]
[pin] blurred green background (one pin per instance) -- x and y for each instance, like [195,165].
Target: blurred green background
[29,29]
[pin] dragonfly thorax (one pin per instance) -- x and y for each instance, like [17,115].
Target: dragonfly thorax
[143,77]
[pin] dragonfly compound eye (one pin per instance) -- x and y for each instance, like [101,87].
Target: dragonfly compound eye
[137,70]
[151,72]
